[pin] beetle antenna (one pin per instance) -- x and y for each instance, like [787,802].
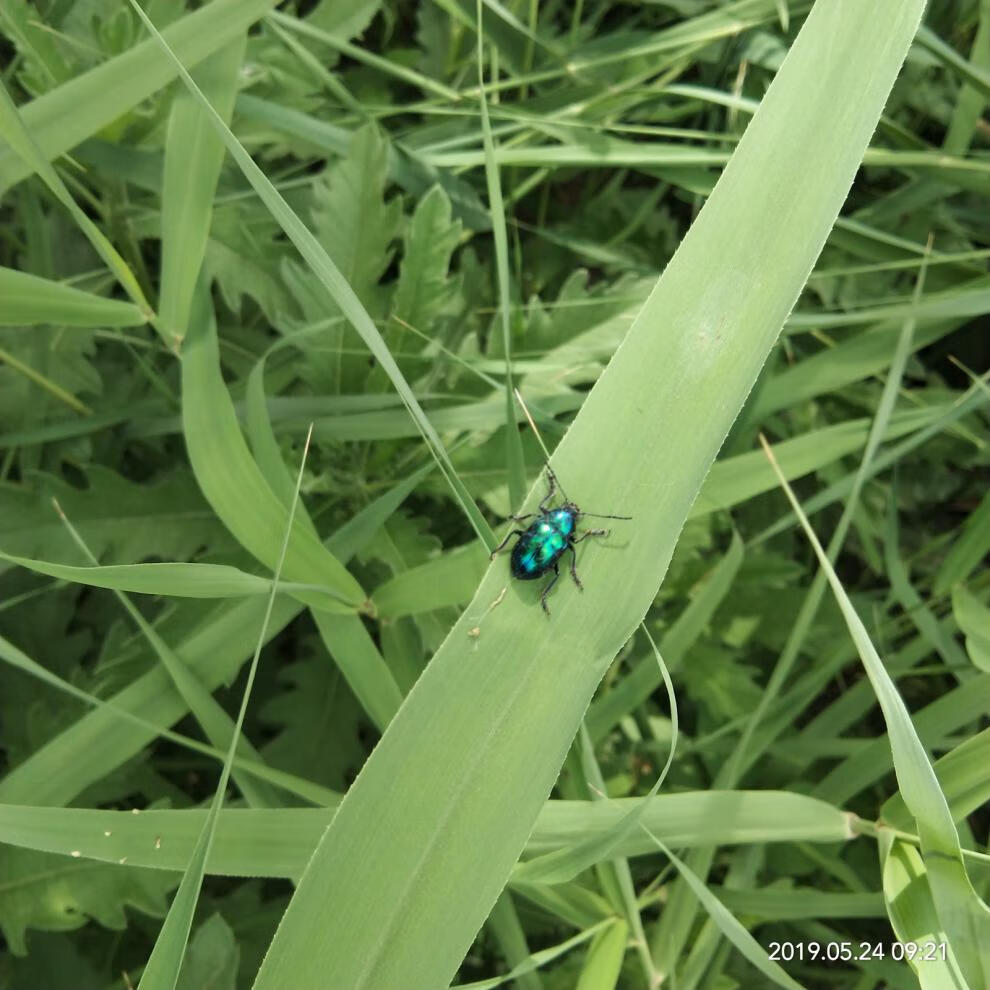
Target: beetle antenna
[599,515]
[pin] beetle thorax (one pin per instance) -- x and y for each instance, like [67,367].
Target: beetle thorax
[563,519]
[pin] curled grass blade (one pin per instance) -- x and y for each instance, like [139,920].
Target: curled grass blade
[567,863]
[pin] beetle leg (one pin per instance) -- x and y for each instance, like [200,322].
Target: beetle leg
[577,580]
[529,515]
[590,532]
[552,481]
[501,546]
[546,590]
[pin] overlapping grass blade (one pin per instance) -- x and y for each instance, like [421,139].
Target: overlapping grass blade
[962,914]
[214,647]
[80,108]
[232,483]
[213,719]
[729,925]
[279,842]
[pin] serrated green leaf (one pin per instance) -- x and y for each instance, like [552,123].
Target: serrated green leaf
[61,893]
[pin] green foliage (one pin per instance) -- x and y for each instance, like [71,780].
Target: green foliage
[180,300]
[58,893]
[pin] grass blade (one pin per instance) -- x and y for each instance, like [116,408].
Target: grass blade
[162,970]
[965,918]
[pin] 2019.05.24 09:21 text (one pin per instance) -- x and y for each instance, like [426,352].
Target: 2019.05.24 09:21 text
[856,951]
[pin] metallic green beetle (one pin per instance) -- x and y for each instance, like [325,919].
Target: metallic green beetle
[544,541]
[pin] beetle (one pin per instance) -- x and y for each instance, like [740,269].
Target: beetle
[551,534]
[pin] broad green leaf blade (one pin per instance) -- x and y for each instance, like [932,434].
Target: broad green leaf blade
[82,107]
[414,859]
[26,299]
[193,156]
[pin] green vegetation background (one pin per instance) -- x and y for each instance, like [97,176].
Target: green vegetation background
[171,322]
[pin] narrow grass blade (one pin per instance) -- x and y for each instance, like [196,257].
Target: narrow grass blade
[28,299]
[973,618]
[729,925]
[116,715]
[961,775]
[193,156]
[567,863]
[162,969]
[233,485]
[603,962]
[913,917]
[514,454]
[214,646]
[645,677]
[279,842]
[216,724]
[181,579]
